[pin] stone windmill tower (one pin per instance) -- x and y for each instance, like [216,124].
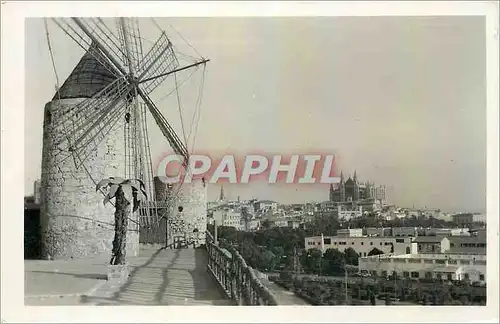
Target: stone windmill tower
[95,127]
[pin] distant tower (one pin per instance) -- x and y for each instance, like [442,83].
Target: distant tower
[356,187]
[221,197]
[332,193]
[342,187]
[368,190]
[187,219]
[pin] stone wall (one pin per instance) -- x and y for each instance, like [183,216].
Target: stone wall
[160,189]
[187,220]
[74,221]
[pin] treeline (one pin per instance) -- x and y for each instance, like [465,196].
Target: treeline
[278,248]
[266,250]
[320,291]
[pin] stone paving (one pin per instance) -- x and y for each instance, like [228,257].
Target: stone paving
[157,277]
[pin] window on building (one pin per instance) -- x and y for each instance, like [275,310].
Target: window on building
[438,276]
[449,276]
[334,243]
[380,243]
[362,243]
[384,273]
[452,244]
[371,243]
[352,243]
[481,277]
[408,251]
[400,240]
[428,275]
[420,247]
[406,274]
[364,253]
[466,276]
[327,241]
[414,274]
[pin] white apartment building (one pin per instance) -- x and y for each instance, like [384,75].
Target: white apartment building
[265,205]
[351,232]
[218,216]
[362,245]
[346,214]
[233,219]
[446,231]
[429,266]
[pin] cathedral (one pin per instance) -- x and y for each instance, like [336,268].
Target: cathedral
[351,193]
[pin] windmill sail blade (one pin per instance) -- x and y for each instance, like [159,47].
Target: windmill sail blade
[131,41]
[98,133]
[108,112]
[160,59]
[85,42]
[167,130]
[77,119]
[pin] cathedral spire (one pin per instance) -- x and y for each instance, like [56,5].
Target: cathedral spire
[221,193]
[341,177]
[355,178]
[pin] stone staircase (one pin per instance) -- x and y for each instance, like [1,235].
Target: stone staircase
[163,277]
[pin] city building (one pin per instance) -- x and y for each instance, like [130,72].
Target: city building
[428,266]
[232,218]
[467,244]
[265,205]
[351,193]
[432,244]
[350,232]
[346,213]
[463,220]
[405,231]
[444,232]
[362,245]
[377,231]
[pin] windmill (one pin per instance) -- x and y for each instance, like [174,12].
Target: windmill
[127,76]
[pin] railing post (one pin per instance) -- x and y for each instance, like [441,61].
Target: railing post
[215,233]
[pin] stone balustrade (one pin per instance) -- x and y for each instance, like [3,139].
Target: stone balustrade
[236,278]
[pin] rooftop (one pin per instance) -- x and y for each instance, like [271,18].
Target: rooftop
[428,239]
[88,77]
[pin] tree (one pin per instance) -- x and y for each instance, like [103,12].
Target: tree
[266,224]
[311,260]
[267,261]
[464,300]
[387,299]
[351,257]
[334,262]
[373,301]
[375,251]
[125,192]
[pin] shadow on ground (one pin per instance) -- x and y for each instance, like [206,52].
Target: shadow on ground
[98,276]
[166,277]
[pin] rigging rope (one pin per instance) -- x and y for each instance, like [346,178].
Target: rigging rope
[180,108]
[52,56]
[198,108]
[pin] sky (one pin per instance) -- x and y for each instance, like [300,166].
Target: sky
[401,100]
